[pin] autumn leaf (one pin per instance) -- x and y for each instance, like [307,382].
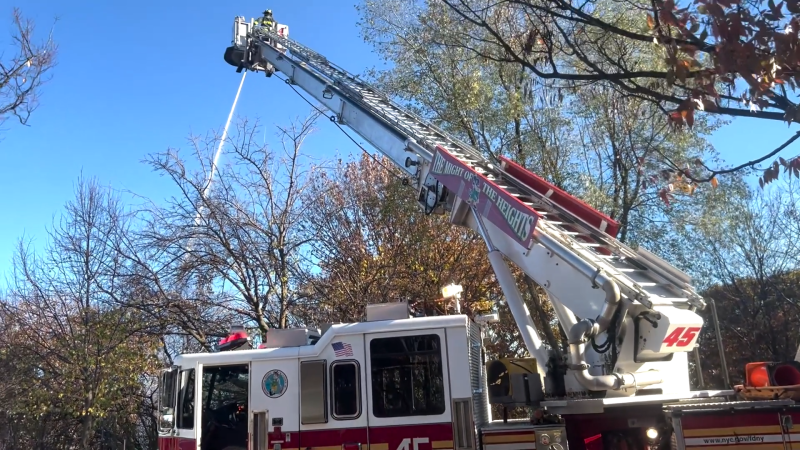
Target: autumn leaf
[689,118]
[663,194]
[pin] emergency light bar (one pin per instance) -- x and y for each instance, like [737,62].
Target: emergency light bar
[237,338]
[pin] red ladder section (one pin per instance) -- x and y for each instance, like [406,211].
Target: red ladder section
[572,204]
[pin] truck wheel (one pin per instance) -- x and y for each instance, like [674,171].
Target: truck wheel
[233,447]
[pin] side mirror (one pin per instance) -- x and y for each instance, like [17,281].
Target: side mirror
[167,399]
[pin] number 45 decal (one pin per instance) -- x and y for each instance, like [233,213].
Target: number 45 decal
[405,443]
[681,337]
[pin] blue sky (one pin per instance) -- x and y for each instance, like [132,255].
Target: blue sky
[135,78]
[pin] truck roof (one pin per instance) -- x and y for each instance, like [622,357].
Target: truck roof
[341,329]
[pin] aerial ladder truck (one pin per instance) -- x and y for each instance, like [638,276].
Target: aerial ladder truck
[356,385]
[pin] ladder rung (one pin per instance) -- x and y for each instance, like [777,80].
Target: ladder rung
[629,270]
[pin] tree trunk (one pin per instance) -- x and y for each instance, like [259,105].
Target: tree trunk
[87,425]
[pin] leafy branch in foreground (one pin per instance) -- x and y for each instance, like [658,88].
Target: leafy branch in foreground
[722,57]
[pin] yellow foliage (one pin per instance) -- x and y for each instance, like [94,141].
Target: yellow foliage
[482,306]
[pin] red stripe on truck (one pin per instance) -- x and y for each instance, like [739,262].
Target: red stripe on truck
[424,434]
[428,436]
[176,443]
[737,419]
[436,436]
[330,437]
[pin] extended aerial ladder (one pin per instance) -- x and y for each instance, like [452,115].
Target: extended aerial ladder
[597,285]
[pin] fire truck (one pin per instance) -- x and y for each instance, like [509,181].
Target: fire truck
[397,381]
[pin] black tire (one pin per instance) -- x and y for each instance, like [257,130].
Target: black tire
[233,447]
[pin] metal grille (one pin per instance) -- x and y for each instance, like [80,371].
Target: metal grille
[260,430]
[729,405]
[464,437]
[480,398]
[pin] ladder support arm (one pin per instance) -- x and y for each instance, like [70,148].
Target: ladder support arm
[580,333]
[515,302]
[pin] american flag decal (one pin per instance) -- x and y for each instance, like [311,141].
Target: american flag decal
[342,349]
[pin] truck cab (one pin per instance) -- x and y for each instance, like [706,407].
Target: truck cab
[394,382]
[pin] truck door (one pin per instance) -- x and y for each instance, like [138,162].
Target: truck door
[332,394]
[222,409]
[408,391]
[184,413]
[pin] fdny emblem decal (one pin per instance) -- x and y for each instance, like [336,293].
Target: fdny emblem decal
[274,383]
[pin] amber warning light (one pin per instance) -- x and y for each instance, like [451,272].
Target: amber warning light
[769,374]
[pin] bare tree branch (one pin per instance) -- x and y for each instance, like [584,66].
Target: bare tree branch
[23,74]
